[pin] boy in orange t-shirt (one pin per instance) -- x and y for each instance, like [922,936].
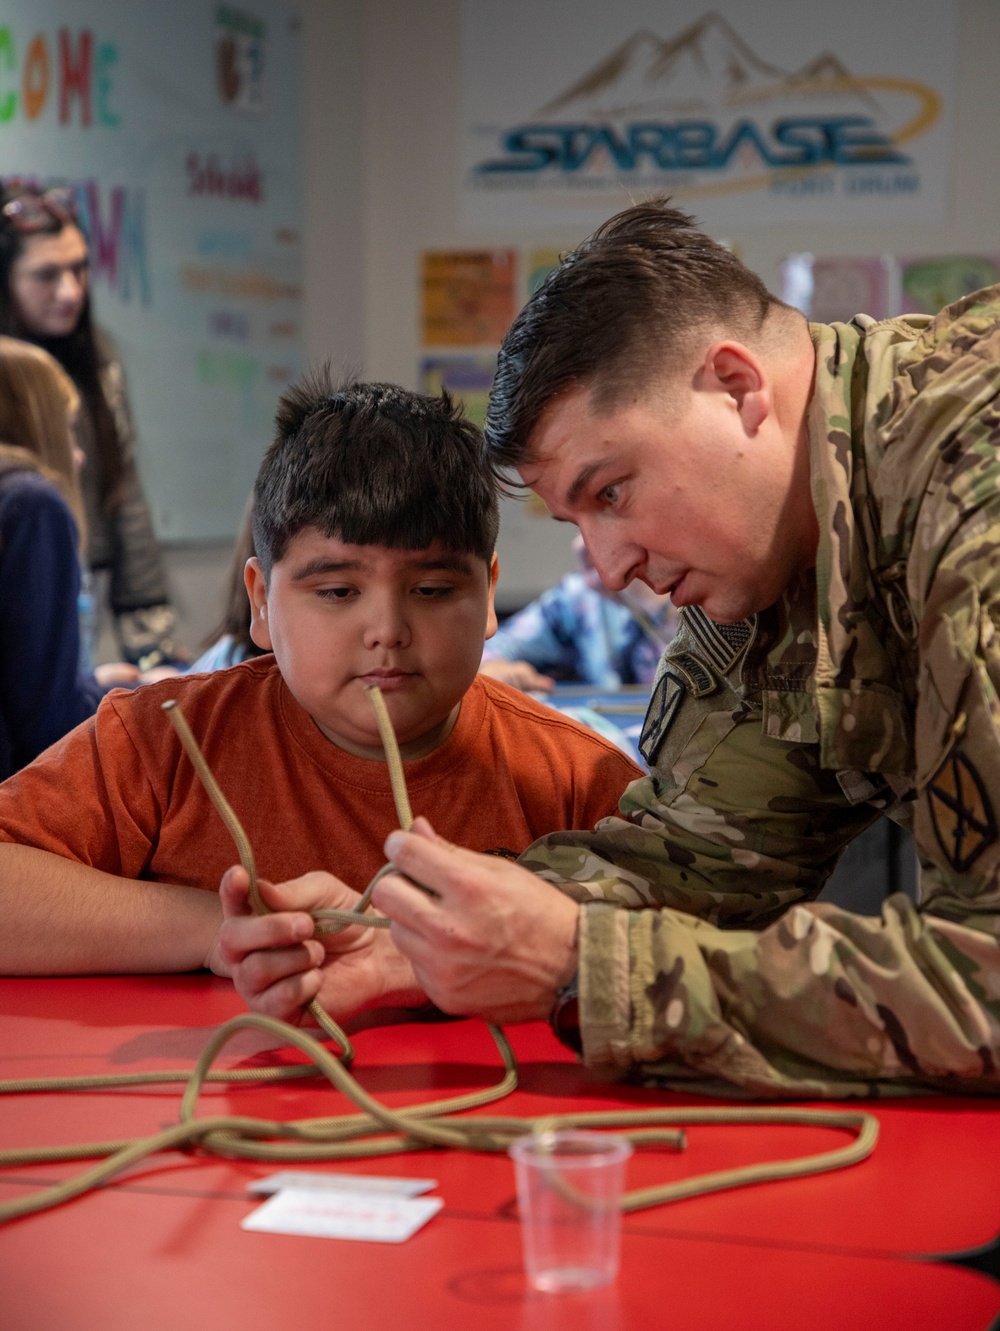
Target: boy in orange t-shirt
[375,518]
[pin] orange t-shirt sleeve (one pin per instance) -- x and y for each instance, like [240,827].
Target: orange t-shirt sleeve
[87,798]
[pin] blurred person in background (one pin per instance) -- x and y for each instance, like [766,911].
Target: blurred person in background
[43,691]
[580,632]
[45,299]
[230,643]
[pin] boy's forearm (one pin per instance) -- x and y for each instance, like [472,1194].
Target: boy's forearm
[64,918]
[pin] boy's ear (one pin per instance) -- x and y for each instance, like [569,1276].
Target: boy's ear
[253,577]
[491,614]
[734,369]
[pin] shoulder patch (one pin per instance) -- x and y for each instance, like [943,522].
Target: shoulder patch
[683,674]
[963,818]
[664,702]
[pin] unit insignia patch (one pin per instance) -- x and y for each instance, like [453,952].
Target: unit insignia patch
[963,818]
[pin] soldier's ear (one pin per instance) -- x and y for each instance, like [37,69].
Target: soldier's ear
[733,369]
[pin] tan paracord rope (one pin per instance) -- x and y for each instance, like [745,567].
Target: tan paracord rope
[377,1129]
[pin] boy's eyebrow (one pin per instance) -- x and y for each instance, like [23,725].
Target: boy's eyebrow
[322,565]
[450,562]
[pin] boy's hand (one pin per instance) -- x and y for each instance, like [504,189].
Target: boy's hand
[279,966]
[495,941]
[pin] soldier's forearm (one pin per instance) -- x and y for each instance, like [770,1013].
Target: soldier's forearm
[822,1003]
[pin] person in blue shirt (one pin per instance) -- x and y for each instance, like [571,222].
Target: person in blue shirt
[43,691]
[580,632]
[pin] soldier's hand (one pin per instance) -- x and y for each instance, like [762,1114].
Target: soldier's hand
[279,965]
[493,940]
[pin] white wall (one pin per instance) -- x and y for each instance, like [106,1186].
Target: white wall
[333,175]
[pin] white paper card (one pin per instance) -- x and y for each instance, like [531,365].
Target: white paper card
[343,1215]
[380,1183]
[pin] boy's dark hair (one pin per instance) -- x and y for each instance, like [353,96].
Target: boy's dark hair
[373,464]
[632,295]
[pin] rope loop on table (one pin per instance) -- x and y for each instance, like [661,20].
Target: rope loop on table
[378,1129]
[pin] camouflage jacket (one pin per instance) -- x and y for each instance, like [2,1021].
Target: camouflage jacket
[872,687]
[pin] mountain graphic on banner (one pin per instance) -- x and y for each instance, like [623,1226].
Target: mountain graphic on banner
[706,66]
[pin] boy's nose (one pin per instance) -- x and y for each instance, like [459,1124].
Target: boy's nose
[388,626]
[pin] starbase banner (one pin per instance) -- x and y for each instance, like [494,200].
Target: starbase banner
[745,115]
[177,124]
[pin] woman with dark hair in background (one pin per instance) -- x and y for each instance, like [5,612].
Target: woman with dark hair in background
[43,691]
[45,299]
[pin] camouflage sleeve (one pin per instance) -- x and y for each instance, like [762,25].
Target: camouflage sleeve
[821,1004]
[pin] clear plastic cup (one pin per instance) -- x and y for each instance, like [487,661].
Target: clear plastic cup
[569,1188]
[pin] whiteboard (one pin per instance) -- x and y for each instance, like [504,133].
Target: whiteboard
[178,125]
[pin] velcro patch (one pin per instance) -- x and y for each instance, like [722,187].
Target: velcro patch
[859,787]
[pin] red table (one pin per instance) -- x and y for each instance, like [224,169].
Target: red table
[162,1249]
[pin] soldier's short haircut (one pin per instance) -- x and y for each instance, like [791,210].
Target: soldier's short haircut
[613,315]
[373,464]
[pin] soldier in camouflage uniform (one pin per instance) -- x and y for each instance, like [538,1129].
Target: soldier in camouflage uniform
[871,686]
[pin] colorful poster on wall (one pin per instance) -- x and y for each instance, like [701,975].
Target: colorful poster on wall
[178,126]
[467,378]
[746,116]
[468,297]
[928,284]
